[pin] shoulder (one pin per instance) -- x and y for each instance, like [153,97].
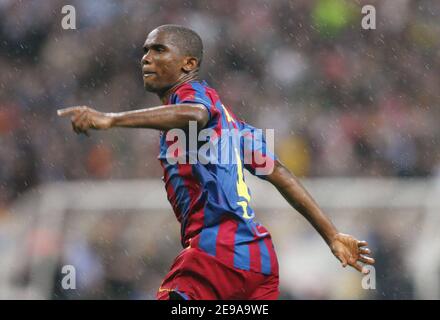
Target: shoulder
[193,91]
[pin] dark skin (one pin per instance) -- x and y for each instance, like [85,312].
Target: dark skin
[164,68]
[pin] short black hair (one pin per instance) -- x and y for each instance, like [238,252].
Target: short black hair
[187,40]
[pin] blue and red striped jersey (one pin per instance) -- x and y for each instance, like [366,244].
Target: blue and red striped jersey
[210,198]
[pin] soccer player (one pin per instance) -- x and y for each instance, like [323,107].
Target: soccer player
[227,254]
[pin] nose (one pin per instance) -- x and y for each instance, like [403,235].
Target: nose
[146,59]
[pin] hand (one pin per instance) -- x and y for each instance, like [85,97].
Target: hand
[84,118]
[349,251]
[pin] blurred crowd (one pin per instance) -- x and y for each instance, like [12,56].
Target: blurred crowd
[125,255]
[343,101]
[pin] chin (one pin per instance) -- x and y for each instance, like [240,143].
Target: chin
[155,88]
[150,88]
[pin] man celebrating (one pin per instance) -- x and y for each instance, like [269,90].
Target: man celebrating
[227,254]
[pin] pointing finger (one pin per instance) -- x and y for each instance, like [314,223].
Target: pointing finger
[67,111]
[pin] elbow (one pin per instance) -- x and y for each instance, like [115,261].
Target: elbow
[280,176]
[278,169]
[192,112]
[200,115]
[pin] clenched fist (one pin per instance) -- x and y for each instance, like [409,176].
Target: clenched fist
[84,118]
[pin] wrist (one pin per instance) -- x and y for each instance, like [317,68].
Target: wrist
[332,237]
[113,117]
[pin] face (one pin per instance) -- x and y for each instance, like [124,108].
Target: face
[162,63]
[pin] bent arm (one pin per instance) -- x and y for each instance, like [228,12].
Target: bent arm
[298,197]
[160,118]
[345,247]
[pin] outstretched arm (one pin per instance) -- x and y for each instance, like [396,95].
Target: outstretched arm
[345,247]
[160,118]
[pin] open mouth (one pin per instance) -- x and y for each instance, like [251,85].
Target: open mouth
[147,74]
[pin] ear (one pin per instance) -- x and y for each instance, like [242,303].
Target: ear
[190,64]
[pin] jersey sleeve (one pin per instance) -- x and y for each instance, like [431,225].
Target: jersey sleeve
[257,150]
[195,93]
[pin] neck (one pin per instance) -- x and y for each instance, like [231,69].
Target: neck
[184,78]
